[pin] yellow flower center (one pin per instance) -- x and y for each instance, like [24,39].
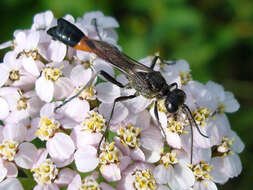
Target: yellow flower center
[185,77]
[144,180]
[202,170]
[129,136]
[225,147]
[45,173]
[47,128]
[22,103]
[201,116]
[175,126]
[52,73]
[161,106]
[89,184]
[169,159]
[109,154]
[87,94]
[8,150]
[34,54]
[94,123]
[14,75]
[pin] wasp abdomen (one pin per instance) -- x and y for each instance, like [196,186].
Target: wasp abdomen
[66,32]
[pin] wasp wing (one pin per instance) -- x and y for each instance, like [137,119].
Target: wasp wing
[118,59]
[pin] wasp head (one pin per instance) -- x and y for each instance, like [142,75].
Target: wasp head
[174,100]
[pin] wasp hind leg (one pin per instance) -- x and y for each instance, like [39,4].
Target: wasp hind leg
[119,99]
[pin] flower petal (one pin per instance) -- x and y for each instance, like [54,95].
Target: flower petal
[44,89]
[26,155]
[110,172]
[60,146]
[86,159]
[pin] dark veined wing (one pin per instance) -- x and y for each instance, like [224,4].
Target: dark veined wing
[118,59]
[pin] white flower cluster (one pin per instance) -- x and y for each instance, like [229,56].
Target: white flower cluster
[39,73]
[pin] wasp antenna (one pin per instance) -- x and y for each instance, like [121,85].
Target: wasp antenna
[185,110]
[192,118]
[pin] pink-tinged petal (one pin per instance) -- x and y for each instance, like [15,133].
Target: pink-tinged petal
[100,64]
[60,146]
[120,112]
[232,165]
[124,149]
[83,138]
[65,177]
[41,156]
[105,186]
[56,51]
[12,170]
[152,156]
[238,145]
[231,104]
[173,140]
[63,88]
[60,163]
[124,162]
[86,159]
[152,139]
[30,65]
[80,76]
[76,183]
[4,74]
[140,120]
[26,155]
[107,92]
[75,107]
[42,20]
[81,55]
[32,40]
[16,132]
[110,172]
[216,89]
[160,174]
[4,109]
[137,154]
[3,170]
[205,185]
[217,175]
[6,44]
[11,184]
[44,89]
[183,177]
[51,186]
[108,22]
[163,187]
[137,104]
[199,140]
[47,110]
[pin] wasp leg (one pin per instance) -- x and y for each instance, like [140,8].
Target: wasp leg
[119,99]
[154,61]
[102,73]
[158,121]
[111,79]
[174,84]
[94,20]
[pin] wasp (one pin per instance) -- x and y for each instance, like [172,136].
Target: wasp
[147,82]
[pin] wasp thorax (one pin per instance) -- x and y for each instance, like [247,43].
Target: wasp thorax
[174,100]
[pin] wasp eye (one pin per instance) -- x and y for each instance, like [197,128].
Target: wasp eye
[171,108]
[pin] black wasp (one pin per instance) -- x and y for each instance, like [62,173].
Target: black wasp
[143,79]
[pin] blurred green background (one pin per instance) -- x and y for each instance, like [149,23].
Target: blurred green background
[214,36]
